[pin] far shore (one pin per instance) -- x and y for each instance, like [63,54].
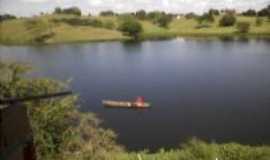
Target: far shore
[20,32]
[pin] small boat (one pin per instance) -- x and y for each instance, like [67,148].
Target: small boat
[138,104]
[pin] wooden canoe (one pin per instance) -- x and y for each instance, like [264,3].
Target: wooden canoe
[124,104]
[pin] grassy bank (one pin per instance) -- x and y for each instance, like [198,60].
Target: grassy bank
[51,29]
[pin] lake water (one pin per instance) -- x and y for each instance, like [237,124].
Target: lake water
[211,89]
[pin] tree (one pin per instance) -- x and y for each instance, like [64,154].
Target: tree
[7,17]
[130,26]
[214,12]
[163,20]
[191,15]
[72,10]
[243,27]
[160,18]
[206,17]
[264,12]
[57,10]
[227,20]
[141,14]
[107,13]
[250,12]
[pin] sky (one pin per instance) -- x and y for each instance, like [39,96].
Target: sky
[34,7]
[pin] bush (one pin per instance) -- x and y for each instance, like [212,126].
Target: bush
[227,20]
[130,26]
[243,27]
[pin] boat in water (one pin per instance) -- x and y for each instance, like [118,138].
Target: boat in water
[137,104]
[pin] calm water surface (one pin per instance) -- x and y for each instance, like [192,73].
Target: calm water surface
[214,90]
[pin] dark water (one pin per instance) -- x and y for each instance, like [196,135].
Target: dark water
[214,90]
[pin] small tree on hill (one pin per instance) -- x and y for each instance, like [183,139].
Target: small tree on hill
[227,20]
[130,26]
[141,14]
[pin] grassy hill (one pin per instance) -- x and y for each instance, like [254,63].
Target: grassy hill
[51,29]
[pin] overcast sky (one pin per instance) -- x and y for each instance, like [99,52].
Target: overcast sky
[32,7]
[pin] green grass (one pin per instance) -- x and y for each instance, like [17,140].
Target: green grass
[19,32]
[198,150]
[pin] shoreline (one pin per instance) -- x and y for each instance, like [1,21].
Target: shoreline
[154,37]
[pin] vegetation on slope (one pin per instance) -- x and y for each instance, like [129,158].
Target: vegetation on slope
[67,25]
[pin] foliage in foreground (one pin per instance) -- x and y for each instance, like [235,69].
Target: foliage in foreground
[199,150]
[60,131]
[63,133]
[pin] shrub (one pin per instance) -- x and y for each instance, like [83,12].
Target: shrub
[227,20]
[130,26]
[243,27]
